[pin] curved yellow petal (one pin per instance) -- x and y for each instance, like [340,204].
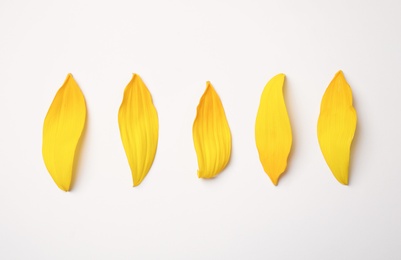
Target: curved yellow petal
[62,130]
[211,134]
[336,126]
[139,128]
[273,129]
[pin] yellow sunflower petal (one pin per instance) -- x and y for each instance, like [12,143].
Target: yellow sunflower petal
[62,130]
[336,126]
[139,128]
[211,134]
[273,130]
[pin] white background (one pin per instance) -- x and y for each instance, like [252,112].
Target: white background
[176,46]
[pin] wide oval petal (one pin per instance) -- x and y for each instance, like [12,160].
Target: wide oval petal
[336,126]
[273,129]
[62,129]
[211,135]
[139,128]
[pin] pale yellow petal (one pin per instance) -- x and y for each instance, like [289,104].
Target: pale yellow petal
[273,129]
[62,130]
[211,134]
[139,128]
[336,126]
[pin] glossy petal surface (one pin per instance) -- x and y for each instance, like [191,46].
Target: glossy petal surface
[273,129]
[336,126]
[211,134]
[139,128]
[62,130]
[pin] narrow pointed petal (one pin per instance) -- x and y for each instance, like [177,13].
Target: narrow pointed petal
[62,129]
[336,126]
[139,128]
[273,129]
[211,134]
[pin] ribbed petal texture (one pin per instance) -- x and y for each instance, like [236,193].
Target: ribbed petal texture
[139,128]
[273,129]
[211,134]
[62,129]
[336,126]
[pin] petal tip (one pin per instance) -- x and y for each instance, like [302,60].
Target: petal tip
[137,182]
[277,79]
[340,73]
[342,181]
[63,188]
[274,180]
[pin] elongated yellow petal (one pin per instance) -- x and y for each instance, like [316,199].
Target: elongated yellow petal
[211,134]
[62,130]
[273,129]
[139,128]
[336,126]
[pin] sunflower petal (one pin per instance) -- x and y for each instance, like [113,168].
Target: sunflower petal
[273,130]
[139,128]
[336,126]
[62,130]
[211,134]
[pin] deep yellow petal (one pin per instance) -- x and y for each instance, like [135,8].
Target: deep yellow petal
[211,134]
[139,128]
[336,126]
[273,129]
[62,130]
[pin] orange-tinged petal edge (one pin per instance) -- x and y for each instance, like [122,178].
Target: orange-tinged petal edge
[139,128]
[62,129]
[273,129]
